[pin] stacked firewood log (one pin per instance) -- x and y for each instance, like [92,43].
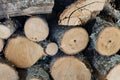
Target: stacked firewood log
[59,40]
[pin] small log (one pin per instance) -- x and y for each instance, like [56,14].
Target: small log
[69,68]
[7,28]
[105,38]
[106,68]
[7,72]
[36,29]
[25,7]
[37,73]
[80,12]
[1,45]
[70,40]
[22,52]
[50,48]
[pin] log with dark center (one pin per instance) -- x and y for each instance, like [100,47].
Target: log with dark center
[70,40]
[105,38]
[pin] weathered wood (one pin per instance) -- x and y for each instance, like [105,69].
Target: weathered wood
[69,68]
[71,40]
[36,29]
[105,38]
[106,68]
[81,11]
[37,73]
[24,7]
[22,52]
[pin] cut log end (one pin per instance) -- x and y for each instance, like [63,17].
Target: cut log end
[108,41]
[36,79]
[74,41]
[7,72]
[1,45]
[70,68]
[36,29]
[114,73]
[23,52]
[51,49]
[4,32]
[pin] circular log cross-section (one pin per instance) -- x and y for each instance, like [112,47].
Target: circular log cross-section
[51,49]
[114,73]
[108,41]
[74,40]
[36,29]
[35,79]
[7,72]
[70,68]
[23,52]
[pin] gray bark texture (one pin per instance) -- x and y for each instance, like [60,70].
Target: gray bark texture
[9,8]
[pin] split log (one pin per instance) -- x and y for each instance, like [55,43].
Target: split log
[69,68]
[7,72]
[25,7]
[81,11]
[70,40]
[106,68]
[22,52]
[1,45]
[50,48]
[105,38]
[7,28]
[36,29]
[37,73]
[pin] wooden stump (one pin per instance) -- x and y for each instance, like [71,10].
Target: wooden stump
[7,29]
[37,73]
[70,68]
[105,38]
[70,40]
[1,45]
[80,12]
[106,68]
[36,29]
[23,52]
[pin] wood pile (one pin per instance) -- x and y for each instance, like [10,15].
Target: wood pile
[59,40]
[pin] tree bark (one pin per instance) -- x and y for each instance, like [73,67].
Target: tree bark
[102,40]
[24,7]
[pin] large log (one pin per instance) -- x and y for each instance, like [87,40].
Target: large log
[70,40]
[22,52]
[105,38]
[69,68]
[24,7]
[81,11]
